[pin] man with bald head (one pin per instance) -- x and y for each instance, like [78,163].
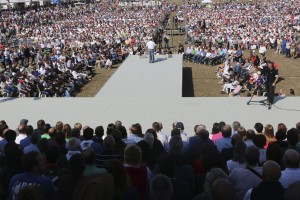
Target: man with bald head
[224,142]
[291,173]
[270,188]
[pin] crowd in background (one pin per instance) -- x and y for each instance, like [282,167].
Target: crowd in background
[51,51]
[57,161]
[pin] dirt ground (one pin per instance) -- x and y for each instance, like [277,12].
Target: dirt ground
[200,80]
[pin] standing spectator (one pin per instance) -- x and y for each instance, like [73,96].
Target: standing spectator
[151,45]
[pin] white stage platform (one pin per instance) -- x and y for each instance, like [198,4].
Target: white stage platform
[146,105]
[136,77]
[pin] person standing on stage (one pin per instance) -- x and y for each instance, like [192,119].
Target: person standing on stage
[271,74]
[151,45]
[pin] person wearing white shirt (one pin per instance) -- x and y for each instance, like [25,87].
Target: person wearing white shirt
[151,45]
[292,172]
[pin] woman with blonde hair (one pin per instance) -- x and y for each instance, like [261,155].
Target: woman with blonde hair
[269,133]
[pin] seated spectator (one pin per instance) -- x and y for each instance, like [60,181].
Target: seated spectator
[274,153]
[119,146]
[68,183]
[122,189]
[224,142]
[88,141]
[138,173]
[227,153]
[292,192]
[99,132]
[108,152]
[9,136]
[33,146]
[27,140]
[211,176]
[280,139]
[31,164]
[51,169]
[244,179]
[22,134]
[90,167]
[260,142]
[216,133]
[133,137]
[269,133]
[161,188]
[250,134]
[222,189]
[292,171]
[270,187]
[176,132]
[292,139]
[239,158]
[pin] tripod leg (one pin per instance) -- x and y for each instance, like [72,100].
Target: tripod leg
[250,99]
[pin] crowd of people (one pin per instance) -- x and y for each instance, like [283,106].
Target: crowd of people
[220,34]
[52,50]
[57,161]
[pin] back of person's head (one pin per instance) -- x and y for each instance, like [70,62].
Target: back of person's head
[211,177]
[110,128]
[292,137]
[260,141]
[67,130]
[73,144]
[133,155]
[236,125]
[176,145]
[10,135]
[35,138]
[13,154]
[259,127]
[174,132]
[99,131]
[252,155]
[161,188]
[52,154]
[203,134]
[29,130]
[78,126]
[293,191]
[60,139]
[222,189]
[117,135]
[77,164]
[46,128]
[43,145]
[215,128]
[250,134]
[271,171]
[40,124]
[153,132]
[149,138]
[239,151]
[282,126]
[31,161]
[108,142]
[221,124]
[235,138]
[274,153]
[89,156]
[88,133]
[242,132]
[59,126]
[298,126]
[226,131]
[291,158]
[52,132]
[280,135]
[269,131]
[156,126]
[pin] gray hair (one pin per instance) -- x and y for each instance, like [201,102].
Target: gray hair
[149,138]
[73,144]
